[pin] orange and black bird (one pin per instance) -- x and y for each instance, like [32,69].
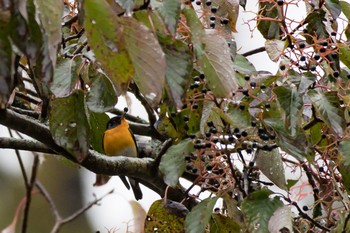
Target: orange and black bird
[118,139]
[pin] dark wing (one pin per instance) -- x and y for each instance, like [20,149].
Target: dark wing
[133,137]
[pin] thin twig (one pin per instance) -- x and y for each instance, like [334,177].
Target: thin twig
[49,200]
[76,36]
[76,214]
[29,189]
[254,51]
[23,170]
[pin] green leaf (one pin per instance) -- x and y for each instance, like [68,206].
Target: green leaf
[101,96]
[306,80]
[98,122]
[268,28]
[291,102]
[147,57]
[345,7]
[173,163]
[334,8]
[210,113]
[169,10]
[315,24]
[178,70]
[242,65]
[196,29]
[199,217]
[65,78]
[344,150]
[50,13]
[69,124]
[275,48]
[6,70]
[328,109]
[104,33]
[271,165]
[222,224]
[235,116]
[217,66]
[167,217]
[344,54]
[296,146]
[258,209]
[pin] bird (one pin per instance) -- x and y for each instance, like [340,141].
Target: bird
[118,139]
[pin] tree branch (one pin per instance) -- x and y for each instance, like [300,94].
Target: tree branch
[142,170]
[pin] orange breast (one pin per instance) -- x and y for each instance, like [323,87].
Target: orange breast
[119,141]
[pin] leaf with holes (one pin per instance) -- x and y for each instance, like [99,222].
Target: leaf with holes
[69,124]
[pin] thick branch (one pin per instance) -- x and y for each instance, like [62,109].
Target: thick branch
[143,170]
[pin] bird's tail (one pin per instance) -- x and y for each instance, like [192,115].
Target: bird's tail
[136,189]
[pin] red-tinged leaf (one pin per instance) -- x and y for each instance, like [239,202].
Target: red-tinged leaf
[147,58]
[104,33]
[217,66]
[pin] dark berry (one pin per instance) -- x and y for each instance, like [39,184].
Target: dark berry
[253,84]
[302,58]
[251,164]
[324,43]
[305,31]
[186,128]
[188,166]
[224,21]
[204,91]
[188,157]
[209,167]
[247,78]
[312,68]
[245,92]
[173,114]
[208,145]
[267,105]
[262,86]
[236,130]
[238,135]
[282,67]
[241,106]
[261,130]
[334,55]
[272,136]
[212,18]
[317,57]
[213,130]
[336,74]
[195,106]
[244,134]
[212,25]
[253,123]
[249,150]
[192,136]
[264,136]
[280,2]
[208,2]
[198,2]
[194,86]
[186,118]
[302,45]
[194,170]
[184,106]
[348,76]
[196,78]
[321,169]
[207,134]
[322,50]
[210,124]
[231,138]
[213,9]
[333,33]
[305,208]
[202,76]
[215,139]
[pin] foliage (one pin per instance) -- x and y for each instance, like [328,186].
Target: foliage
[224,124]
